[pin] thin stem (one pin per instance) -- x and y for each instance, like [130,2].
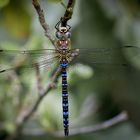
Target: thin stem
[63,4]
[122,117]
[23,117]
[42,20]
[39,80]
[68,13]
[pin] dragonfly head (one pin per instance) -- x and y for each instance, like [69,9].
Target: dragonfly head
[63,33]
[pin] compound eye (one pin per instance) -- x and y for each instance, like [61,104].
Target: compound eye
[67,34]
[58,35]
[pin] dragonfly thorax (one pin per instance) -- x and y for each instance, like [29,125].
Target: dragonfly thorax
[64,55]
[64,52]
[63,43]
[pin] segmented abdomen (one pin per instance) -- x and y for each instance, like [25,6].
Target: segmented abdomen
[65,99]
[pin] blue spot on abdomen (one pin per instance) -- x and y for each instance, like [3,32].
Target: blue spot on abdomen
[65,114]
[63,65]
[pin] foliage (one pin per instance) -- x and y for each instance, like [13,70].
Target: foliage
[96,93]
[4,3]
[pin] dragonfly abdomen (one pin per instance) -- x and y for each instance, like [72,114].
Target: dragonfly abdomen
[65,98]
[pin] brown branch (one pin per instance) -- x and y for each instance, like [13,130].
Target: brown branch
[25,116]
[39,80]
[122,117]
[68,13]
[42,20]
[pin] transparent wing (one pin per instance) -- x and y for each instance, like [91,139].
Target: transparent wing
[103,56]
[27,59]
[105,62]
[31,53]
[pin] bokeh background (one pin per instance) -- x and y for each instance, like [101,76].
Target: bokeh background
[97,92]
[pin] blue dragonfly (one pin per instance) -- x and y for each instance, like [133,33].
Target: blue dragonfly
[63,54]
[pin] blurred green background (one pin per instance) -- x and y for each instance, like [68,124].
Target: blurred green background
[97,92]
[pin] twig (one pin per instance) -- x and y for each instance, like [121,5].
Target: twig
[62,3]
[24,116]
[42,20]
[122,117]
[68,13]
[39,80]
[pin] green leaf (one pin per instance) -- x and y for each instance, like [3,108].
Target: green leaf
[3,3]
[16,19]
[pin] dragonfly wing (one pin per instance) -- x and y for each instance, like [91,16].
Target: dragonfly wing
[102,56]
[46,63]
[106,62]
[32,58]
[30,53]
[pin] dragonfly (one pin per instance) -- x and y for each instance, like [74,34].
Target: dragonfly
[62,54]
